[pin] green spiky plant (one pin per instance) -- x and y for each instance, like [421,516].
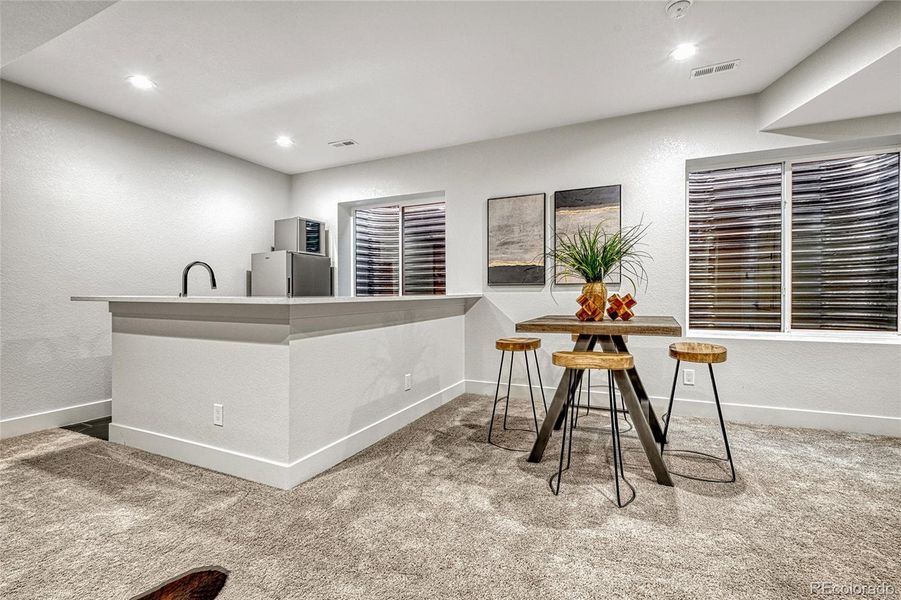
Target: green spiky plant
[593,254]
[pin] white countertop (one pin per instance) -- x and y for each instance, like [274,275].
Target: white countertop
[278,300]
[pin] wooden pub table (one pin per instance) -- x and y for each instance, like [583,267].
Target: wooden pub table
[609,334]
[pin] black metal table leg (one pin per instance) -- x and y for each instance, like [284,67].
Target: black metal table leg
[643,397]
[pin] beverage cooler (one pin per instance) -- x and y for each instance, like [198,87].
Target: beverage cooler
[298,264]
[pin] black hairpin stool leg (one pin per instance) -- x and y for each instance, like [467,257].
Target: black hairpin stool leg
[618,469]
[572,422]
[719,412]
[669,409]
[540,385]
[497,390]
[588,409]
[525,356]
[567,415]
[578,403]
[509,382]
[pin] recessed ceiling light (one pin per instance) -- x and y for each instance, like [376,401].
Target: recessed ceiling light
[683,51]
[142,82]
[284,141]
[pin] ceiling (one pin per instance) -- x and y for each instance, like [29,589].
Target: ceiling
[26,24]
[867,92]
[401,77]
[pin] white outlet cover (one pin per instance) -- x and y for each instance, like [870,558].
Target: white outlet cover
[217,415]
[688,376]
[408,382]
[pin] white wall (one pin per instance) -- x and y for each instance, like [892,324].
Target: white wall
[95,205]
[815,383]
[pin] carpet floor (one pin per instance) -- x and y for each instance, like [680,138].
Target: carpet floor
[434,512]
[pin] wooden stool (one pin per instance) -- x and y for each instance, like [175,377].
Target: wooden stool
[580,361]
[708,354]
[513,345]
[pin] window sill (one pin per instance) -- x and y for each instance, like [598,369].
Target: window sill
[891,339]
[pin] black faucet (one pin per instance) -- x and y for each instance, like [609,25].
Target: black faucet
[184,277]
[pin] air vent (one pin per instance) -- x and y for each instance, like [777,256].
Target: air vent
[342,143]
[715,69]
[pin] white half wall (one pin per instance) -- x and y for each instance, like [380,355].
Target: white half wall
[92,204]
[302,387]
[646,153]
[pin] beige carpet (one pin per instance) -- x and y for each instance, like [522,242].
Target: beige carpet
[434,512]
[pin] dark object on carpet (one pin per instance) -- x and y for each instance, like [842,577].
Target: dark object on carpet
[97,428]
[204,583]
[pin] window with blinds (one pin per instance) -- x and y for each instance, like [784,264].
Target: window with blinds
[424,249]
[400,250]
[795,245]
[844,255]
[377,251]
[735,248]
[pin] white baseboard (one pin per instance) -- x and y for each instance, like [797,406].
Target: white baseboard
[742,413]
[246,466]
[284,475]
[55,418]
[316,462]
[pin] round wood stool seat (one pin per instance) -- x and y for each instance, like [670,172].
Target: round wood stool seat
[517,344]
[697,352]
[612,361]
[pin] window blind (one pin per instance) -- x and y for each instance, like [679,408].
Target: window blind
[735,248]
[424,249]
[844,256]
[377,251]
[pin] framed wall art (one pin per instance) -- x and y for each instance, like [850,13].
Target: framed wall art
[586,208]
[516,240]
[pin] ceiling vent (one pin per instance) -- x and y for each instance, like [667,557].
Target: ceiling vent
[723,67]
[342,143]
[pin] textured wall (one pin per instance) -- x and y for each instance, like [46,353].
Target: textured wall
[646,154]
[95,205]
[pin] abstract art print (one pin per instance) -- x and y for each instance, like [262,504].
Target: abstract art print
[586,208]
[516,250]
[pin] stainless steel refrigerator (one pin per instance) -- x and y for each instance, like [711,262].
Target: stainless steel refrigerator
[283,273]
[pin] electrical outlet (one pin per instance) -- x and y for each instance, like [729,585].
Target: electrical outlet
[688,376]
[217,415]
[408,382]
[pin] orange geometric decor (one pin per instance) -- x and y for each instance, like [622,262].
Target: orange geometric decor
[592,301]
[589,311]
[621,307]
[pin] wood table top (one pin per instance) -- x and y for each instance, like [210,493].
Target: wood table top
[638,325]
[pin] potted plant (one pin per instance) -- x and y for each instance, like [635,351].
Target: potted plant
[592,254]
